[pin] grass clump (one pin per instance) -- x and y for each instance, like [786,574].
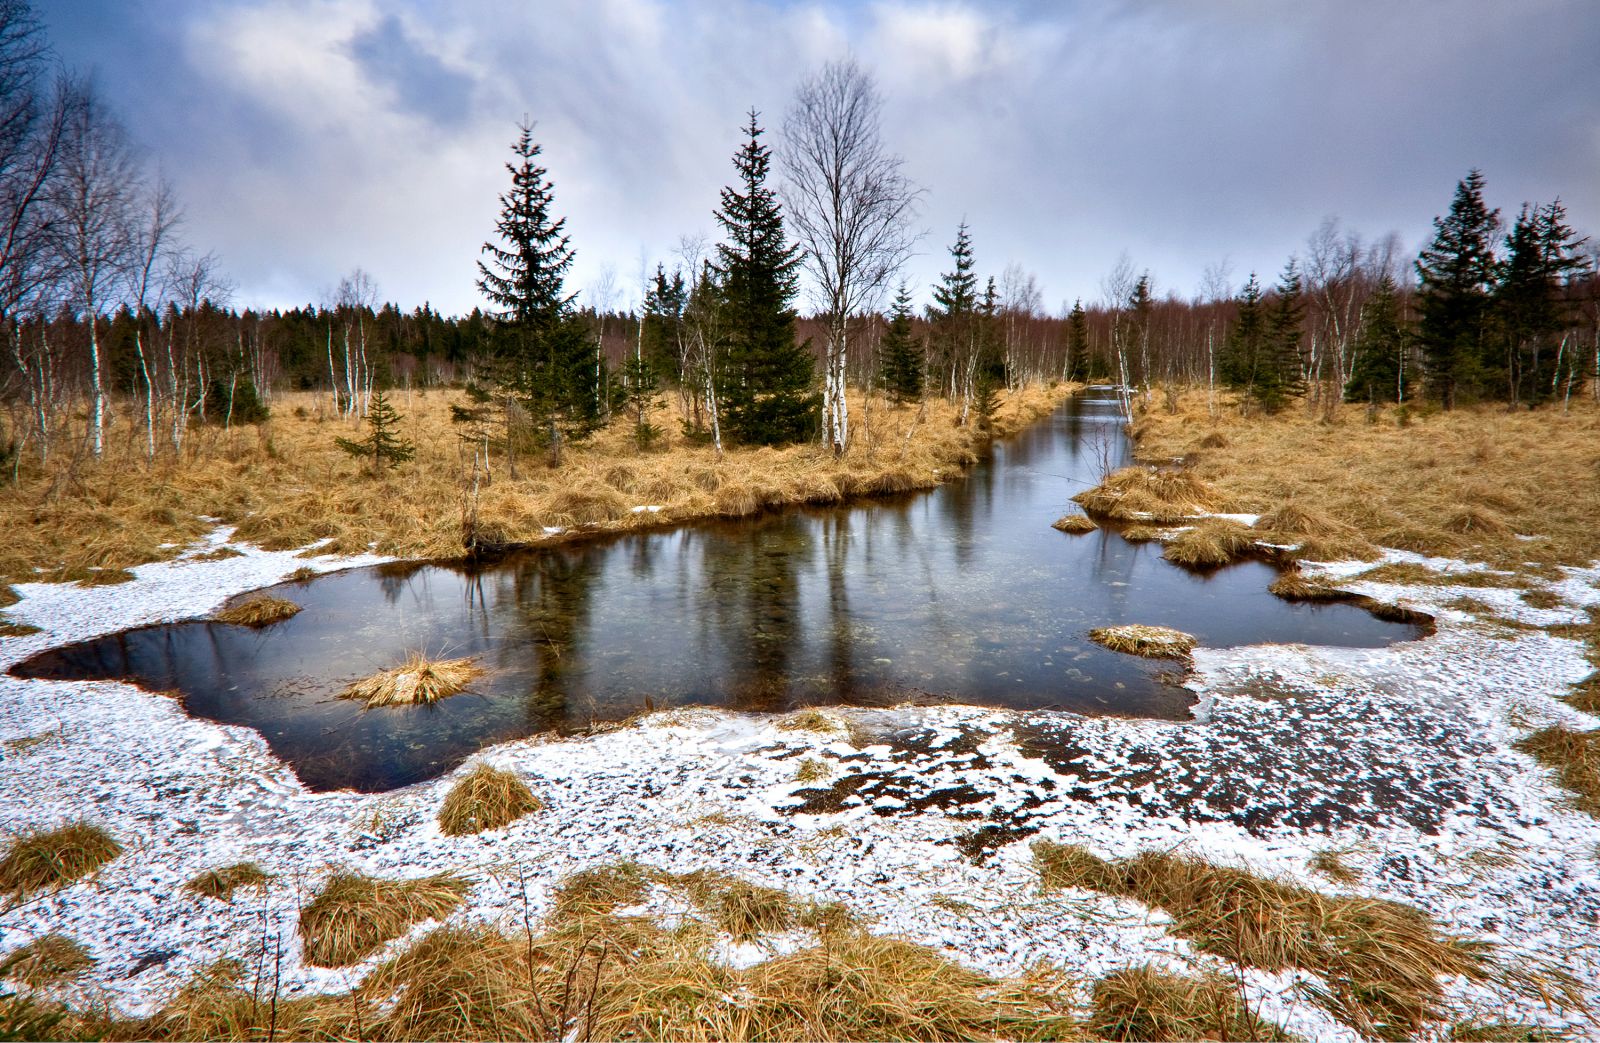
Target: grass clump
[10,629]
[1149,494]
[418,680]
[46,960]
[1501,1032]
[1575,758]
[260,611]
[222,883]
[49,859]
[1294,585]
[1143,1003]
[1141,533]
[1149,641]
[486,799]
[1380,960]
[1330,863]
[354,914]
[1404,573]
[1074,524]
[809,721]
[601,890]
[741,909]
[1211,543]
[811,770]
[1585,695]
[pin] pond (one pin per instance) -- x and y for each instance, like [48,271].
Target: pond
[963,593]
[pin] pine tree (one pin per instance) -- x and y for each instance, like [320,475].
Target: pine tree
[765,376]
[544,356]
[382,446]
[1541,257]
[1378,374]
[1078,362]
[903,358]
[1457,271]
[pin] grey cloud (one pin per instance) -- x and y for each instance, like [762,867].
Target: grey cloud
[422,83]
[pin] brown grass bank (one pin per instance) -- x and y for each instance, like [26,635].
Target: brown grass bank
[286,484]
[1465,483]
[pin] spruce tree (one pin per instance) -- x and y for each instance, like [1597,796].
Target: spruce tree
[1378,374]
[381,446]
[544,357]
[1457,271]
[1531,312]
[1243,354]
[1078,362]
[664,304]
[641,384]
[1279,377]
[955,302]
[903,360]
[764,383]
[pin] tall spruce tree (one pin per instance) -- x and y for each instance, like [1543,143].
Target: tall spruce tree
[1244,354]
[1542,256]
[765,376]
[1078,363]
[953,314]
[1457,272]
[1280,376]
[664,304]
[544,357]
[903,357]
[1379,373]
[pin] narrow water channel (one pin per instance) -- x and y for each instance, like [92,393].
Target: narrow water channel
[962,594]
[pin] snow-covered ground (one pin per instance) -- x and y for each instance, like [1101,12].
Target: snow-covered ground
[1398,758]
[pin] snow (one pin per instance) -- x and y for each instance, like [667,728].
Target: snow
[1398,757]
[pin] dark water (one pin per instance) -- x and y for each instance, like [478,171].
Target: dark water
[964,593]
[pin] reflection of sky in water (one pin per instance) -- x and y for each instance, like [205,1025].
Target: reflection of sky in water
[961,593]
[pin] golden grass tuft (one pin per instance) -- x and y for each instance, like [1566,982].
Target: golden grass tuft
[809,721]
[1585,695]
[1294,585]
[741,909]
[600,890]
[486,799]
[1149,641]
[1149,494]
[1575,758]
[1143,1003]
[1210,543]
[1476,521]
[220,554]
[811,769]
[261,611]
[1502,1032]
[1075,524]
[46,960]
[1540,597]
[1380,960]
[353,915]
[419,680]
[1295,519]
[1141,533]
[223,882]
[45,860]
[1330,863]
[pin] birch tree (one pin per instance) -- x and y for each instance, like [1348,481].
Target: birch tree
[851,207]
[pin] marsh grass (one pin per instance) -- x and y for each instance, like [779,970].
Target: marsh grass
[1294,585]
[1074,524]
[488,798]
[221,883]
[1150,494]
[46,960]
[1331,864]
[47,860]
[1404,573]
[1380,961]
[1585,695]
[1575,758]
[1152,642]
[419,680]
[260,611]
[353,914]
[1144,1003]
[1211,543]
[811,769]
[1501,1032]
[809,721]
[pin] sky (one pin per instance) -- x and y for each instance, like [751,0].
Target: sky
[307,138]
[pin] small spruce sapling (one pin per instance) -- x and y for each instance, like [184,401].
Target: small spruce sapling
[639,377]
[382,446]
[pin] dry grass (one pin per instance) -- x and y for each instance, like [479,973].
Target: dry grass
[419,680]
[1330,863]
[1294,585]
[1150,494]
[286,484]
[1501,1032]
[1211,543]
[47,860]
[1143,1003]
[486,799]
[1075,524]
[222,883]
[1148,641]
[810,769]
[809,721]
[354,914]
[260,611]
[737,907]
[46,960]
[1403,573]
[1575,758]
[1380,961]
[1460,484]
[1141,533]
[1585,695]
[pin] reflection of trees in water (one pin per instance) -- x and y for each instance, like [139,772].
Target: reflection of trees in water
[395,576]
[549,603]
[753,609]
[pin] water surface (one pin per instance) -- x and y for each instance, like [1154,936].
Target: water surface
[963,593]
